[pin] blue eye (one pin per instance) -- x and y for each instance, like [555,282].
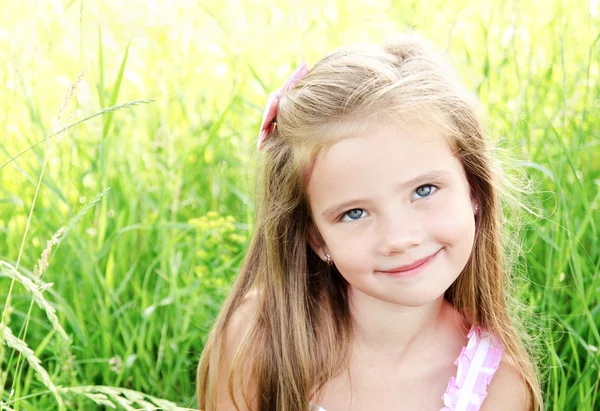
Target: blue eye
[424,191]
[354,214]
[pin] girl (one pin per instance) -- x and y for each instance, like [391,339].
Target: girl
[375,278]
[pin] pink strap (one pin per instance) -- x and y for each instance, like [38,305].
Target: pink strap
[477,364]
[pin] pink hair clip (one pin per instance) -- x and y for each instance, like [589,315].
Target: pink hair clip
[266,127]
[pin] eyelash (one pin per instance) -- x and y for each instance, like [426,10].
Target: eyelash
[435,188]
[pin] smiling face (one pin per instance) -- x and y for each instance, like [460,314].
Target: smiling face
[387,200]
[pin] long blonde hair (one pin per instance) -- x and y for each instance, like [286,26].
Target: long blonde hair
[299,337]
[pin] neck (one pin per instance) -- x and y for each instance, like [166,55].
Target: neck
[389,331]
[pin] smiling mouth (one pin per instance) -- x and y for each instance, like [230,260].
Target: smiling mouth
[412,266]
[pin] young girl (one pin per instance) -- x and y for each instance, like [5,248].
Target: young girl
[375,278]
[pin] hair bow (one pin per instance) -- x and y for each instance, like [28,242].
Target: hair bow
[266,126]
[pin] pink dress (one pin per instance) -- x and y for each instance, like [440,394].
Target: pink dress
[477,364]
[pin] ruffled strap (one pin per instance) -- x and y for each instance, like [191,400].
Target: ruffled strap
[477,363]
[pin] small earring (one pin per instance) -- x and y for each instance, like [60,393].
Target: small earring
[476,207]
[328,257]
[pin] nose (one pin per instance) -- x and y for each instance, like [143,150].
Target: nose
[400,231]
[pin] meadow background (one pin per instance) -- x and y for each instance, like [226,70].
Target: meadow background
[127,136]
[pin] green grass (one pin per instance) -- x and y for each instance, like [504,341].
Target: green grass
[150,171]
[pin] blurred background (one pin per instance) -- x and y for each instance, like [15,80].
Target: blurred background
[127,137]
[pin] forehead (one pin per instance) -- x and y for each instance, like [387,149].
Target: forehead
[380,156]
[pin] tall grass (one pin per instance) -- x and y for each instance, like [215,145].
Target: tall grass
[147,164]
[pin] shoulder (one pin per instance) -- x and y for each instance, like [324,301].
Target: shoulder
[239,323]
[507,390]
[234,333]
[241,318]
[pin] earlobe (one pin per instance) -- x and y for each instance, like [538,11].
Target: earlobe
[316,242]
[328,259]
[475,205]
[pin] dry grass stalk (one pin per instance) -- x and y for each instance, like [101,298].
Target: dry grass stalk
[7,270]
[127,399]
[42,264]
[68,95]
[34,362]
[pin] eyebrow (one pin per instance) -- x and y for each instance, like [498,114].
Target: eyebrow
[429,176]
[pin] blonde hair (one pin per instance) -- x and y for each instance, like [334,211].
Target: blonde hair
[298,338]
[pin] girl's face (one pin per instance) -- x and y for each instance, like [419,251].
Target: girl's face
[389,200]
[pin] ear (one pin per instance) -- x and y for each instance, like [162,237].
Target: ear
[316,241]
[475,205]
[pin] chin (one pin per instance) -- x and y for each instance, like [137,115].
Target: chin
[420,300]
[413,298]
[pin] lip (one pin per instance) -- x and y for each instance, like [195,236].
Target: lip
[412,268]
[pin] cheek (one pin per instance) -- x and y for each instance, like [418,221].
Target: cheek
[350,248]
[351,252]
[453,223]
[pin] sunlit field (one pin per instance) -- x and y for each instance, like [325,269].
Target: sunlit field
[127,152]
